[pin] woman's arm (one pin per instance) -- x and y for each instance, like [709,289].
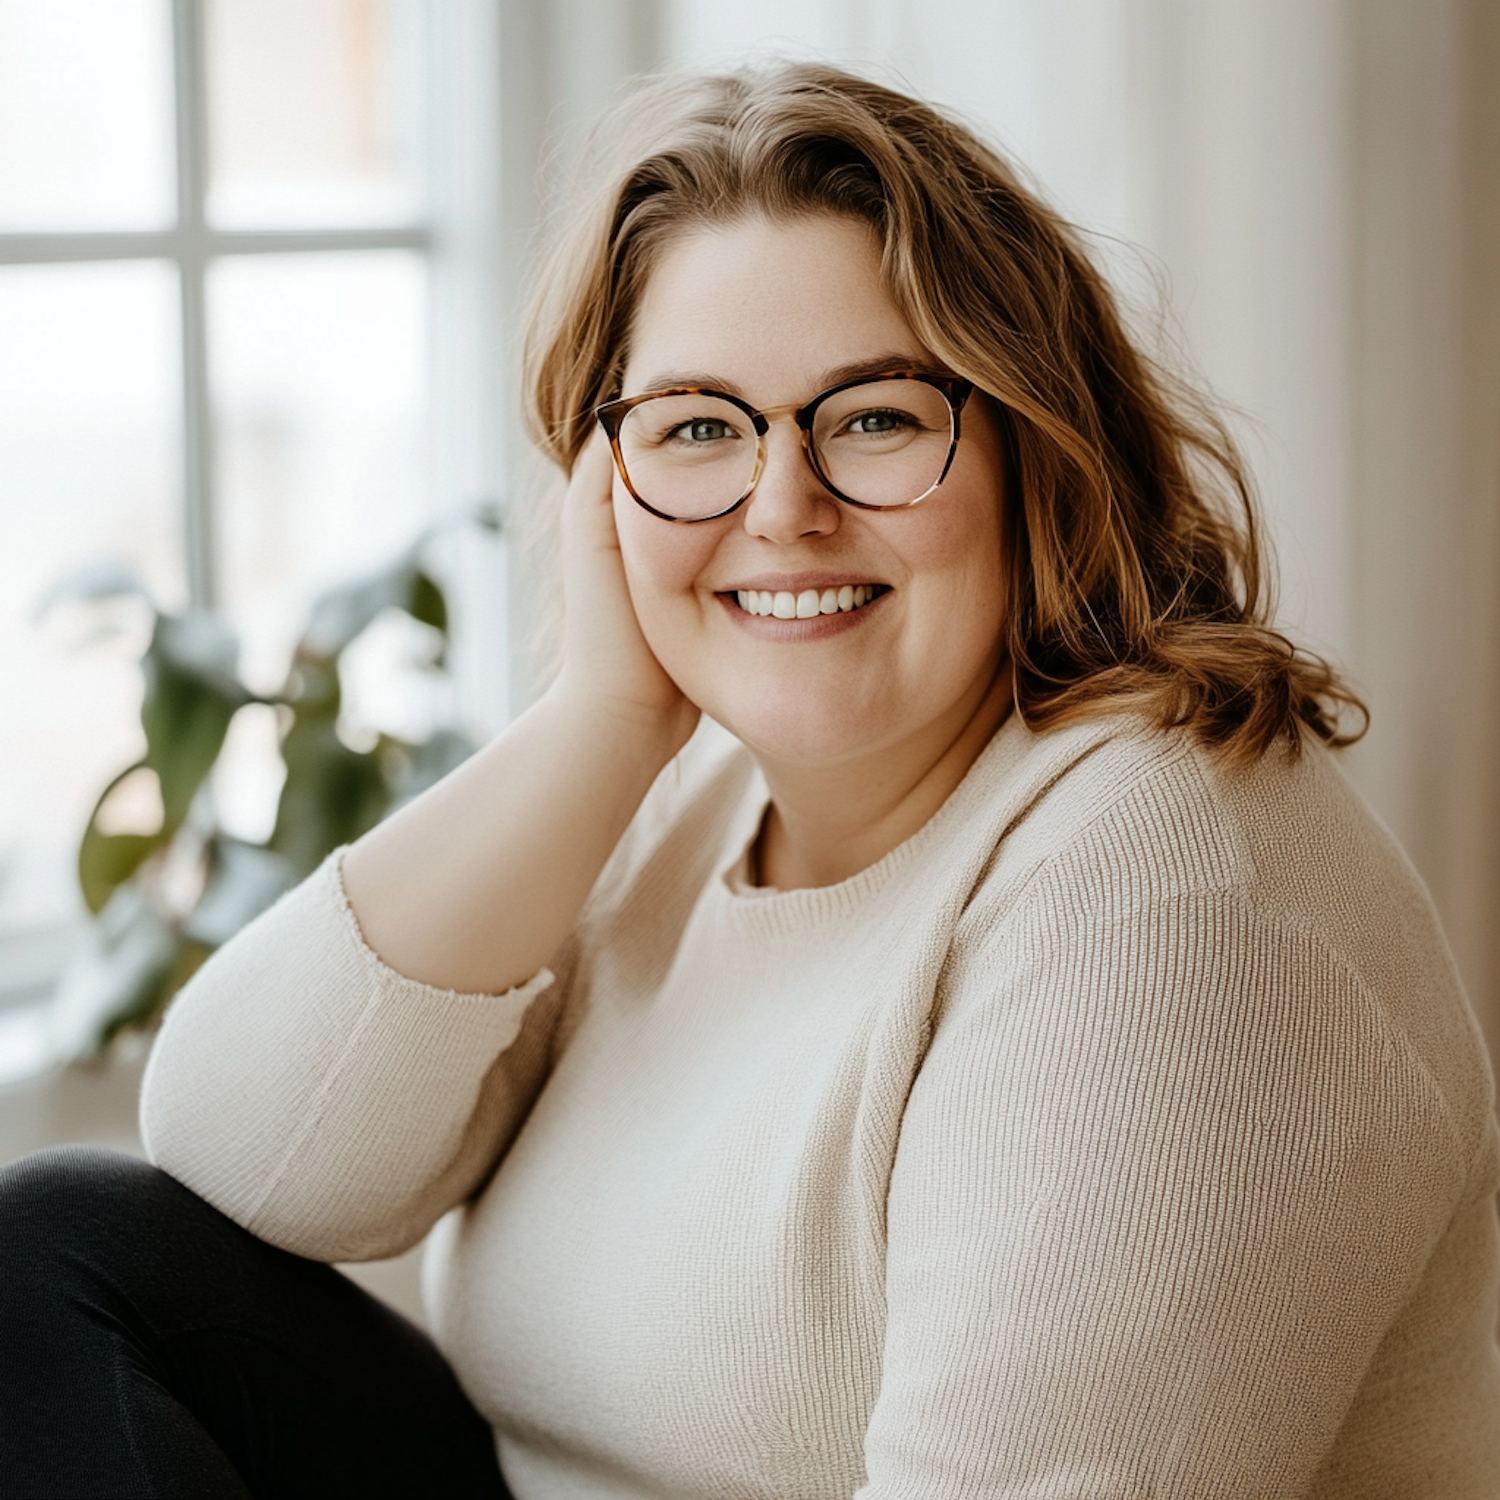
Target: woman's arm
[348,1067]
[475,885]
[1165,1179]
[326,1103]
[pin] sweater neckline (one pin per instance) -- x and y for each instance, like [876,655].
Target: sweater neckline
[784,911]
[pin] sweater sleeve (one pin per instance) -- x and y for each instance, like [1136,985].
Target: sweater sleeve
[1165,1178]
[325,1102]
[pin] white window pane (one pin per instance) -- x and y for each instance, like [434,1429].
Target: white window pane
[319,366]
[89,440]
[85,115]
[314,112]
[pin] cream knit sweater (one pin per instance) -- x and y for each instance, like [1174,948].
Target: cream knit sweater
[1124,1133]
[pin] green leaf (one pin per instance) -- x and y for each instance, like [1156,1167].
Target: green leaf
[200,644]
[119,980]
[192,692]
[425,602]
[343,612]
[244,879]
[108,860]
[332,794]
[106,578]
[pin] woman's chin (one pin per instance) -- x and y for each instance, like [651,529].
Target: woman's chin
[803,734]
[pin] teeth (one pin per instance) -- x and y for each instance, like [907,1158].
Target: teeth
[807,605]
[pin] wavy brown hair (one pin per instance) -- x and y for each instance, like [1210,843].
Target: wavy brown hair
[1136,565]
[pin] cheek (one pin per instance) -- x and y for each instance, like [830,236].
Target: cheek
[958,552]
[959,612]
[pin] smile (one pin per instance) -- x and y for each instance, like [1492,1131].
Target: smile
[810,603]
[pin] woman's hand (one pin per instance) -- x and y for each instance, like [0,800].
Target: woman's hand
[475,884]
[607,665]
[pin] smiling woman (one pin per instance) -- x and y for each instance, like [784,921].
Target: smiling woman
[913,1010]
[897,695]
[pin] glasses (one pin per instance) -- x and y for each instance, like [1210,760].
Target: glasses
[880,442]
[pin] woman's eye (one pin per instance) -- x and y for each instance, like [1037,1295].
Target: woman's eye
[875,423]
[704,430]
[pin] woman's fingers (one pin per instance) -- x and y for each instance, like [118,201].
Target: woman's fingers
[594,589]
[474,885]
[587,511]
[606,655]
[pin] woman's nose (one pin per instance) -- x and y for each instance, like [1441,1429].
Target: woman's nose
[789,502]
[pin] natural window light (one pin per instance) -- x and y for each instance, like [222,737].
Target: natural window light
[215,359]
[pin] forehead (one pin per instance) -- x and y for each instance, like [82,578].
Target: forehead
[766,309]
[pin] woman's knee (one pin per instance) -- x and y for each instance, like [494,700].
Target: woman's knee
[51,1199]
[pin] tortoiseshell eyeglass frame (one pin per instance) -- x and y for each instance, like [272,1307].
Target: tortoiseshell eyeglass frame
[613,413]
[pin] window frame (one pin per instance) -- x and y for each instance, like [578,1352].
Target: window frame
[191,245]
[471,274]
[506,85]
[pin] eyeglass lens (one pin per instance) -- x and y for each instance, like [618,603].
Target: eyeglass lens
[883,443]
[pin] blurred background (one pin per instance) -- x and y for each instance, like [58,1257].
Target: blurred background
[260,269]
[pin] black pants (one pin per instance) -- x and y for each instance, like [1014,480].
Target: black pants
[151,1347]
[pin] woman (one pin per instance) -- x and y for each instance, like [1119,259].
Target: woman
[992,1054]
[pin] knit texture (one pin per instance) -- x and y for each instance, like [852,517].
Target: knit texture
[1123,1133]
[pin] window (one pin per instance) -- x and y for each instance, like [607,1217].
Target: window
[230,287]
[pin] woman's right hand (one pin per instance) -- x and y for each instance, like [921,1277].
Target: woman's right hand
[473,886]
[607,665]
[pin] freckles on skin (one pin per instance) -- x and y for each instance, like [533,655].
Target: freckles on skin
[767,310]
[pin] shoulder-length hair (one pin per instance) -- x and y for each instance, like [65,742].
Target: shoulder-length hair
[1135,558]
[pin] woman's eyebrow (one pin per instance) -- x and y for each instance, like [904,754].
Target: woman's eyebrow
[673,380]
[878,364]
[881,364]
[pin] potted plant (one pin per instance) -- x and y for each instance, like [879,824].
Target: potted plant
[164,899]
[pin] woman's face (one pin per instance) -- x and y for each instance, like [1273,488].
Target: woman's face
[774,313]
